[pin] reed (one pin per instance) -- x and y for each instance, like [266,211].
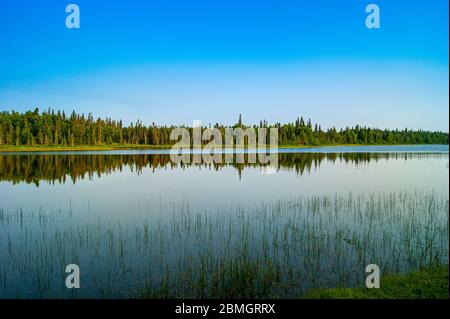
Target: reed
[278,249]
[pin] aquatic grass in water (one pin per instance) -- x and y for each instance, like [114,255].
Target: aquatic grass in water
[278,249]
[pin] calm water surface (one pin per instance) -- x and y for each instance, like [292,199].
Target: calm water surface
[133,220]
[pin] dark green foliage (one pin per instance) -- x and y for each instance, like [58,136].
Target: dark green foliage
[55,128]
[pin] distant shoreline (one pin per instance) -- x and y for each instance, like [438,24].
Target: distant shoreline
[112,147]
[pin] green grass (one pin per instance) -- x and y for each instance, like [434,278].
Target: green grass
[107,147]
[428,283]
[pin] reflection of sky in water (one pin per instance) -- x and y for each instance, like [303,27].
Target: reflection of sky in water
[122,194]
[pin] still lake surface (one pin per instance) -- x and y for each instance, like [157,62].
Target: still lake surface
[138,224]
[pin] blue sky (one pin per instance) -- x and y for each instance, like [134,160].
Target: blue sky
[175,61]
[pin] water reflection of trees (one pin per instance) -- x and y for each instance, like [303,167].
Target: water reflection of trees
[35,168]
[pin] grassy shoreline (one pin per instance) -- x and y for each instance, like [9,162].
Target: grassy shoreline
[39,148]
[427,283]
[110,147]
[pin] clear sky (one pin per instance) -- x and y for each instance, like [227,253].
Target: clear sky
[172,61]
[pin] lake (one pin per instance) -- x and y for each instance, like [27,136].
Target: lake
[139,225]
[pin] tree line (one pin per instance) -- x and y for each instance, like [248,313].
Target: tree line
[53,128]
